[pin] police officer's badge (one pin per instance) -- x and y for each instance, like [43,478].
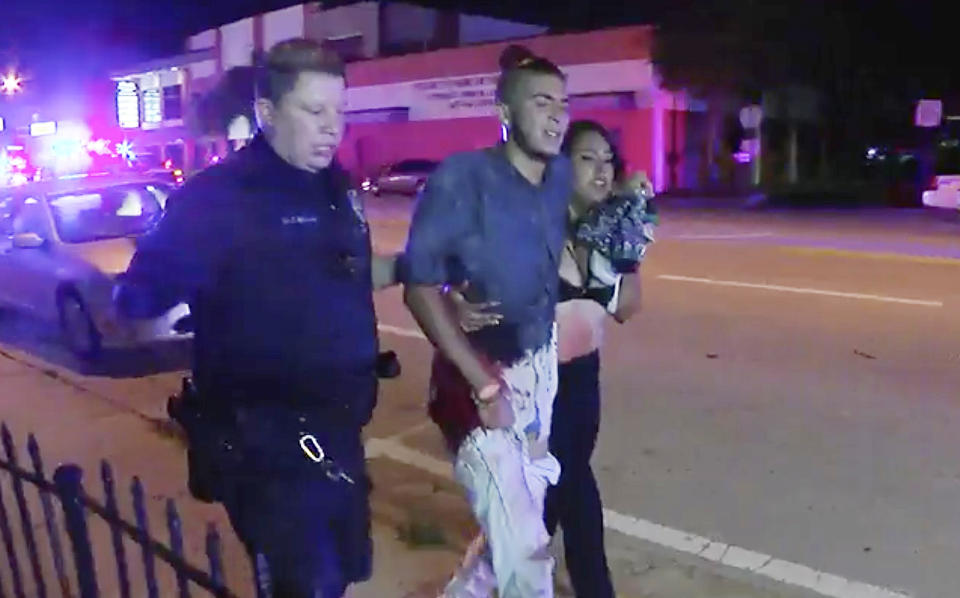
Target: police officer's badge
[357,204]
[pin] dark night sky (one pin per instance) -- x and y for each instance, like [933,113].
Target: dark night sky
[57,40]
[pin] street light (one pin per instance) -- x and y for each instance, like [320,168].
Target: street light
[11,83]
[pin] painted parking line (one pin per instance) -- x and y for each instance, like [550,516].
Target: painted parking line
[404,332]
[757,563]
[717,236]
[801,290]
[936,260]
[779,570]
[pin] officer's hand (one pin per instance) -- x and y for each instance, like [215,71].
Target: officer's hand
[472,316]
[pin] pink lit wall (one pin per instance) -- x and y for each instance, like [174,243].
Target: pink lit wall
[599,63]
[368,146]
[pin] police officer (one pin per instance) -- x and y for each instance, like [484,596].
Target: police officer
[273,254]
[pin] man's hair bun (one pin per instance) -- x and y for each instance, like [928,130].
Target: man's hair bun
[514,55]
[516,62]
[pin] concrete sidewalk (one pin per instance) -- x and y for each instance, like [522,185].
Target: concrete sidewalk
[432,527]
[421,522]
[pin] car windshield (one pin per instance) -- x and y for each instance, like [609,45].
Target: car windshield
[108,213]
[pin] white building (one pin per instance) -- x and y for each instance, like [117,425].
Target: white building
[156,101]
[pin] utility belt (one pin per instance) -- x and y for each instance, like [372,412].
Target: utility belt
[230,439]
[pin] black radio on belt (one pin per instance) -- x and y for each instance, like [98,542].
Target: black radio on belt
[207,438]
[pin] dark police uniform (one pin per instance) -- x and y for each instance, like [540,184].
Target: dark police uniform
[275,263]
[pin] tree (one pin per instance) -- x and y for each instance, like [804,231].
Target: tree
[738,53]
[232,96]
[708,66]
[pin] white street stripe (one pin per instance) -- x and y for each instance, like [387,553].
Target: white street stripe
[825,584]
[822,583]
[407,332]
[801,290]
[379,447]
[819,582]
[717,237]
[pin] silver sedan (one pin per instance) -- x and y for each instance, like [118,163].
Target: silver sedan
[407,177]
[63,242]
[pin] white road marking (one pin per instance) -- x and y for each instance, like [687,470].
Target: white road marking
[719,236]
[820,582]
[937,260]
[406,332]
[411,431]
[786,572]
[801,290]
[379,447]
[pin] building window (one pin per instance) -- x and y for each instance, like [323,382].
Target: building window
[348,47]
[128,105]
[175,155]
[152,106]
[384,115]
[172,103]
[603,101]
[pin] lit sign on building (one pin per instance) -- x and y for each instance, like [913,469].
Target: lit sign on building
[42,129]
[455,97]
[929,113]
[128,105]
[152,106]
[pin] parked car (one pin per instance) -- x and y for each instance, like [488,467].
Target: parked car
[944,193]
[406,177]
[944,190]
[62,243]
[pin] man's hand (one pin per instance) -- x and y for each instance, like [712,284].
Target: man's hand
[432,312]
[472,316]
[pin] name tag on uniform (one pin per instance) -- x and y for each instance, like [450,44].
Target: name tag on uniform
[305,219]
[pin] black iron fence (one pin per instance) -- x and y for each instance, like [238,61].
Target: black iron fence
[66,488]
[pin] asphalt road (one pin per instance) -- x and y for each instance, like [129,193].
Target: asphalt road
[792,387]
[790,392]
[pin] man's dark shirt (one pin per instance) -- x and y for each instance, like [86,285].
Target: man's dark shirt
[480,220]
[275,263]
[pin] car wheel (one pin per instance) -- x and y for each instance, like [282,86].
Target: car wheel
[79,333]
